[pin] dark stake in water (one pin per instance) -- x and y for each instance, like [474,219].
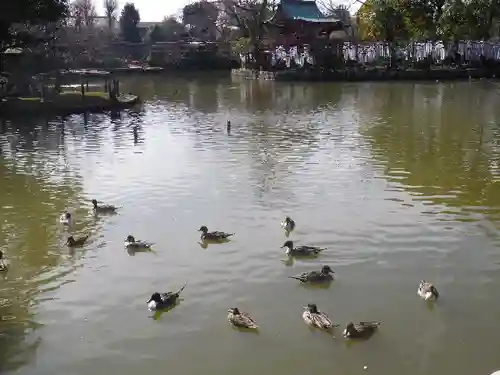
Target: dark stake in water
[399,182]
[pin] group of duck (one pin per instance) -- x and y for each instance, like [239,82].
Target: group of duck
[311,314]
[240,319]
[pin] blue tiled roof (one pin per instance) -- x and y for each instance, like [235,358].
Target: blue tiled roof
[304,10]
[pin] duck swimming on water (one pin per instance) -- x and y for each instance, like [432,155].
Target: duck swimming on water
[427,291]
[303,251]
[161,301]
[325,275]
[131,243]
[240,319]
[362,330]
[104,209]
[65,218]
[315,318]
[75,242]
[3,266]
[214,236]
[288,224]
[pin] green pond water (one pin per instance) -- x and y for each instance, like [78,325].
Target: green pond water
[400,182]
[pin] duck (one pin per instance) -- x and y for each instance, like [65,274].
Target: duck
[301,250]
[162,301]
[130,242]
[427,291]
[325,275]
[104,209]
[3,266]
[74,242]
[65,218]
[315,318]
[214,236]
[240,319]
[288,224]
[362,330]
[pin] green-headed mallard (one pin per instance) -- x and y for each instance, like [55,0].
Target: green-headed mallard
[288,224]
[323,276]
[301,251]
[132,243]
[427,291]
[213,236]
[315,318]
[74,242]
[362,330]
[240,319]
[161,301]
[103,209]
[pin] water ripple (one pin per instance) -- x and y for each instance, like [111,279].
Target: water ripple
[392,179]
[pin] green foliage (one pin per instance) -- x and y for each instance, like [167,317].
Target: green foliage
[157,34]
[129,20]
[382,20]
[169,30]
[172,29]
[26,13]
[428,19]
[389,20]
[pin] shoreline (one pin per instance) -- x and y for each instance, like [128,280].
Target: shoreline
[370,75]
[69,103]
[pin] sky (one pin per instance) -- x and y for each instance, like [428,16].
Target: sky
[156,10]
[150,10]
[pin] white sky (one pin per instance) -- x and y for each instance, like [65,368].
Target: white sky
[156,10]
[150,10]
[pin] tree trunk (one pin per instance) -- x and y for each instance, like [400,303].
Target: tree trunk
[257,55]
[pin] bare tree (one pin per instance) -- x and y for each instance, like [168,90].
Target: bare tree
[83,13]
[110,8]
[247,16]
[327,7]
[330,8]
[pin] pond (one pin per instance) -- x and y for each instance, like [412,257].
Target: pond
[399,182]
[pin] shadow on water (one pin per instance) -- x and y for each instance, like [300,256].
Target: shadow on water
[32,238]
[204,244]
[324,285]
[132,252]
[255,331]
[158,313]
[439,143]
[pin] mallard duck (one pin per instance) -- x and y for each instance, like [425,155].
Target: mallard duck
[161,301]
[214,236]
[130,242]
[427,291]
[104,209]
[315,276]
[240,319]
[313,317]
[288,224]
[65,218]
[74,242]
[362,330]
[301,250]
[3,266]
